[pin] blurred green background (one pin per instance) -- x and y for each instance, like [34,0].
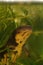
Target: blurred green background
[13,15]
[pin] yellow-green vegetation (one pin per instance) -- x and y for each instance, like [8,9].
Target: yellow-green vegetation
[18,14]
